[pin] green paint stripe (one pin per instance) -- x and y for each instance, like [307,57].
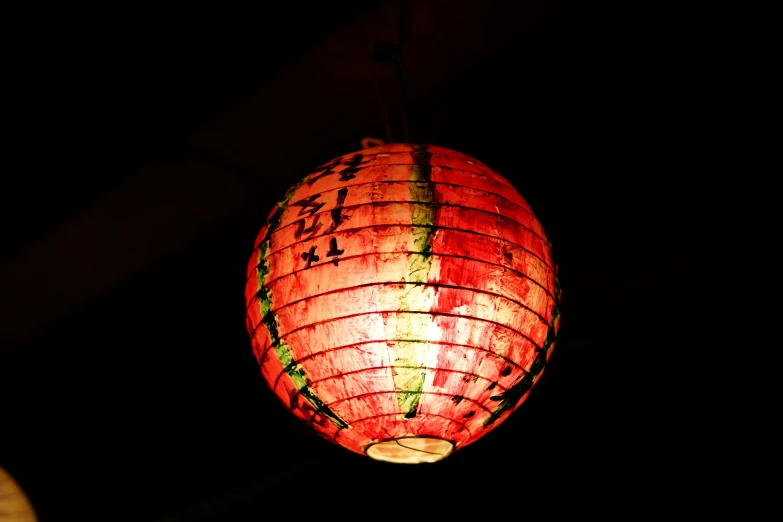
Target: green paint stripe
[509,399]
[422,217]
[283,352]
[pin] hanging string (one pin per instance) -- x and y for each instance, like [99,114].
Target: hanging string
[369,142]
[391,55]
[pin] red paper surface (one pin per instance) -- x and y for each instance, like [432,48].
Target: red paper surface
[402,291]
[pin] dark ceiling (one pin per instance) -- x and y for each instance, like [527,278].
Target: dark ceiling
[147,144]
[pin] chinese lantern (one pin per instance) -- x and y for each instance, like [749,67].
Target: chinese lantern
[402,301]
[14,506]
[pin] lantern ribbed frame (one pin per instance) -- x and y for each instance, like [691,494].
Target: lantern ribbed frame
[402,301]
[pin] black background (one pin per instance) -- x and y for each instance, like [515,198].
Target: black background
[147,403]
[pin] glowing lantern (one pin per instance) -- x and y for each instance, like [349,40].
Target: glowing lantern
[14,506]
[402,301]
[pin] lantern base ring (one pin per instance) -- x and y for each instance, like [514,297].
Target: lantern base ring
[410,450]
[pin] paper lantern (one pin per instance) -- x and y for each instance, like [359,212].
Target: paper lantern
[14,506]
[402,301]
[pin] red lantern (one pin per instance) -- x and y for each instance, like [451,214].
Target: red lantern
[402,301]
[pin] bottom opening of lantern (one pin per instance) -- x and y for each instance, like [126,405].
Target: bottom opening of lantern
[410,450]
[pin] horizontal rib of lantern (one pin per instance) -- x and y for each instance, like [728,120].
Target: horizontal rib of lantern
[404,291]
